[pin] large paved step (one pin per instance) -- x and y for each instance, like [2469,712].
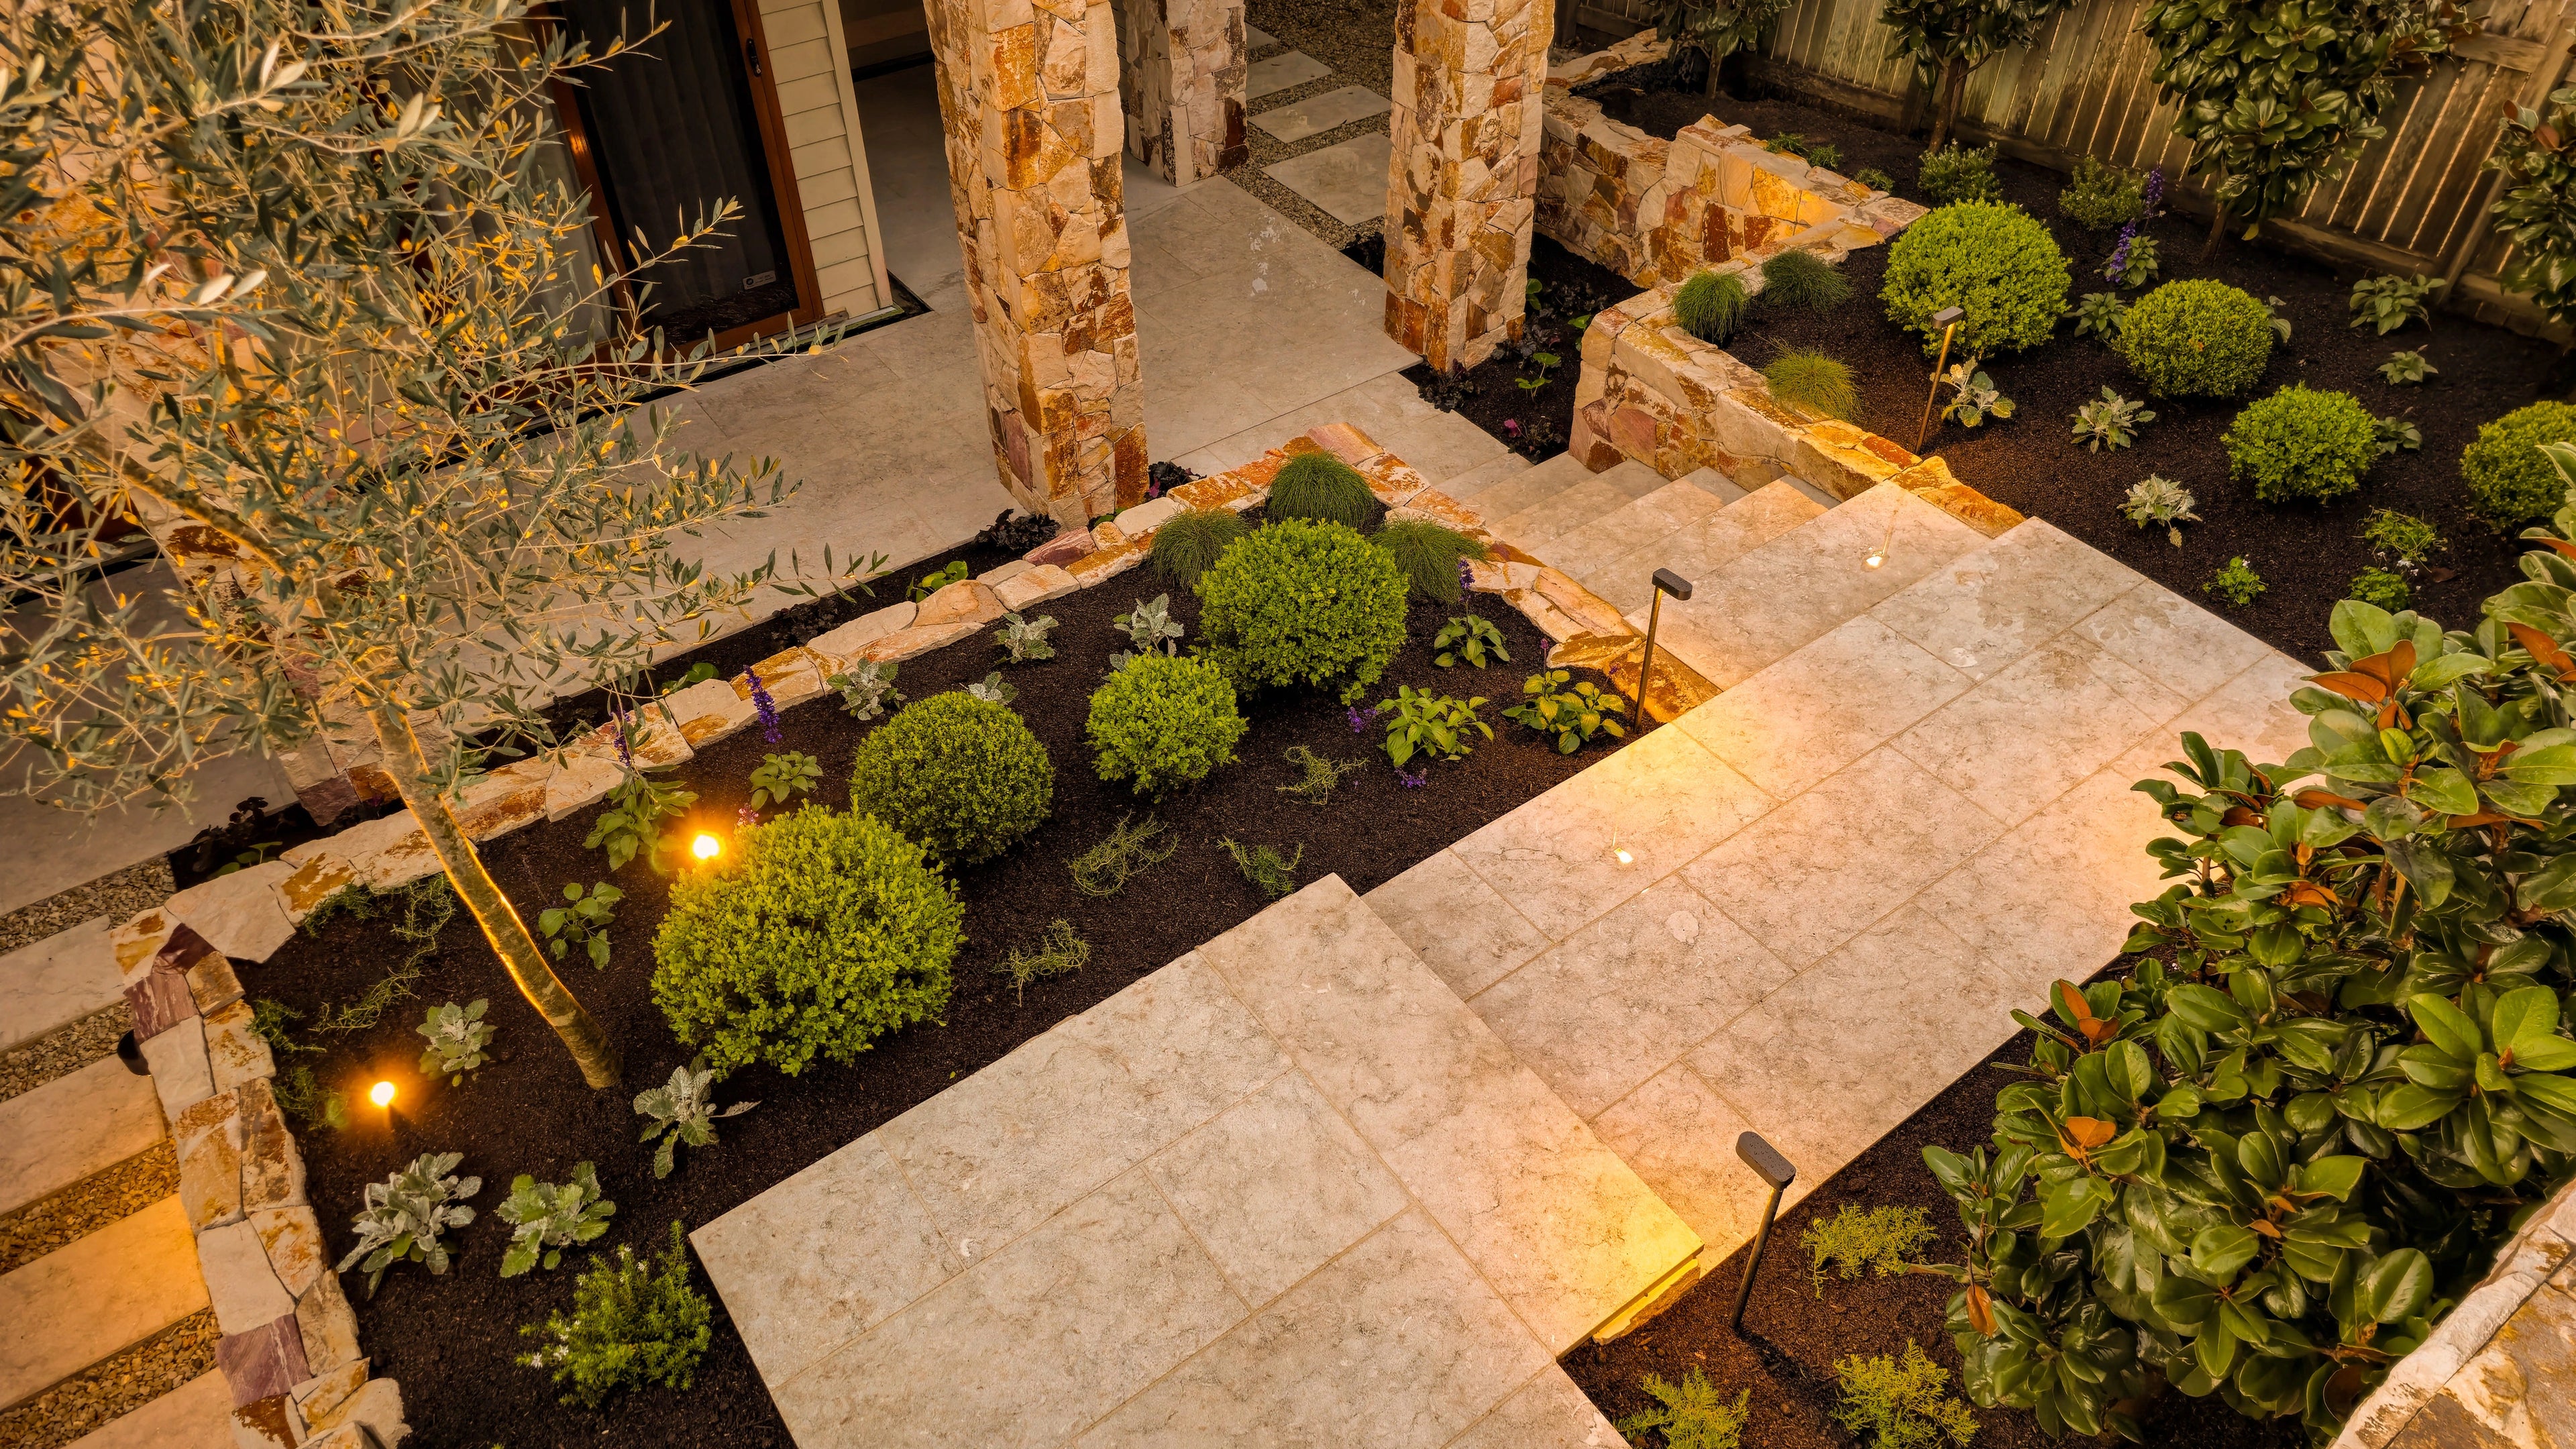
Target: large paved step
[55,982]
[1582,498]
[1698,547]
[1286,1189]
[75,1125]
[106,1292]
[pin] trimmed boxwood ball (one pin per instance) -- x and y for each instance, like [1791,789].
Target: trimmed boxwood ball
[1162,722]
[818,933]
[1994,261]
[2197,339]
[963,776]
[1319,485]
[2302,443]
[1303,602]
[2510,480]
[1711,305]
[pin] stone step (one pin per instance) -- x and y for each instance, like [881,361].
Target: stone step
[1632,528]
[196,1415]
[49,985]
[1700,550]
[1535,529]
[1726,489]
[97,1297]
[1769,601]
[1529,487]
[75,1125]
[1811,490]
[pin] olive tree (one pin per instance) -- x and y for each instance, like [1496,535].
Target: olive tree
[286,282]
[2537,209]
[1948,39]
[2277,95]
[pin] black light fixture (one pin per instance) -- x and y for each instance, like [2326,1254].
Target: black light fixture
[1666,582]
[1766,1161]
[1948,320]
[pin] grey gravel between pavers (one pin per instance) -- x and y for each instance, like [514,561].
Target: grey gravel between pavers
[88,1205]
[1352,41]
[63,1052]
[115,1387]
[116,895]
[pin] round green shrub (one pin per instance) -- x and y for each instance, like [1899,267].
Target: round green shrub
[959,774]
[1303,602]
[2302,443]
[2197,339]
[1319,485]
[1162,722]
[2510,480]
[816,934]
[1996,262]
[1711,305]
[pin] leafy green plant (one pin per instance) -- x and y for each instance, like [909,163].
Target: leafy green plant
[1884,1240]
[1893,1403]
[2302,443]
[1794,143]
[1952,174]
[2389,302]
[458,1036]
[2536,211]
[428,905]
[1303,603]
[992,689]
[1690,1414]
[1162,723]
[2102,196]
[1874,179]
[1572,712]
[547,1217]
[1319,777]
[2161,502]
[867,689]
[2102,315]
[779,777]
[1973,395]
[1711,306]
[2280,323]
[1059,951]
[2133,263]
[1435,725]
[2510,480]
[1024,639]
[307,1103]
[1189,541]
[2236,582]
[1813,382]
[1121,855]
[1996,263]
[406,1217]
[2405,369]
[2381,588]
[1150,626]
[1714,28]
[1273,874]
[583,921]
[937,579]
[1318,486]
[2197,339]
[963,776]
[682,1112]
[816,934]
[1544,361]
[1429,555]
[633,820]
[631,1327]
[2111,423]
[2396,435]
[1799,279]
[2400,536]
[1470,637]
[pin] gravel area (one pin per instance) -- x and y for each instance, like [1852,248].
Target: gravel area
[1357,39]
[88,1205]
[114,1388]
[63,1052]
[118,894]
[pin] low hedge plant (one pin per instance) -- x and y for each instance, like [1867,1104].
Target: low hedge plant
[1996,262]
[2197,339]
[2303,443]
[1162,722]
[2509,479]
[961,775]
[1303,602]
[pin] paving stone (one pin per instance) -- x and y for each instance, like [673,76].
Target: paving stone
[376,1406]
[705,712]
[234,1052]
[328,1328]
[57,981]
[181,1072]
[1316,114]
[1461,927]
[1813,873]
[1678,1135]
[1529,487]
[1987,608]
[1699,551]
[196,1415]
[1438,1349]
[1256,38]
[239,914]
[317,878]
[2034,730]
[1548,1412]
[905,644]
[1485,476]
[1279,72]
[1346,180]
[2251,712]
[1537,527]
[1832,701]
[104,1293]
[2172,640]
[1276,1186]
[240,1283]
[213,984]
[1031,1345]
[325,1392]
[1716,484]
[75,1125]
[272,1165]
[208,1137]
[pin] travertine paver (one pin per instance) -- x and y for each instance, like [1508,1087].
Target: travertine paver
[1702,549]
[1549,1412]
[110,1290]
[1316,114]
[1279,72]
[56,982]
[1985,609]
[1346,179]
[196,1415]
[71,1127]
[2033,730]
[1792,726]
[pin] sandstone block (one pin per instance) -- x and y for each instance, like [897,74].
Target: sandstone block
[272,1165]
[1062,549]
[207,1139]
[267,1423]
[327,1391]
[706,712]
[849,640]
[141,938]
[238,914]
[377,1405]
[1035,586]
[1145,517]
[180,1071]
[994,578]
[317,878]
[329,1330]
[910,643]
[243,1288]
[584,778]
[505,799]
[292,1238]
[964,602]
[234,1052]
[263,1363]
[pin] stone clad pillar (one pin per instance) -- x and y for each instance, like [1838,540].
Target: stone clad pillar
[1028,94]
[1462,182]
[1183,85]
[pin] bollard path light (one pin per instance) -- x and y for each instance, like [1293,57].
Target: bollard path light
[1948,320]
[1666,582]
[1766,1161]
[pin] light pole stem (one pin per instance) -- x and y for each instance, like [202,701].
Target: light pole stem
[1923,433]
[1744,1290]
[1646,665]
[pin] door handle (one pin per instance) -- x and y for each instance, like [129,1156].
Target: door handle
[751,55]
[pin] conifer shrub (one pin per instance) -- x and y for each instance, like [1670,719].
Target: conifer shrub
[1300,602]
[960,774]
[1997,263]
[1162,722]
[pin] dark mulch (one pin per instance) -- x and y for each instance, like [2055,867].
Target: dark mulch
[1793,1337]
[450,1339]
[2306,553]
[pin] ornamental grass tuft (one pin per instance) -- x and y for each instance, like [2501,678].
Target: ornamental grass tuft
[1321,486]
[1814,382]
[1190,541]
[1711,306]
[1799,278]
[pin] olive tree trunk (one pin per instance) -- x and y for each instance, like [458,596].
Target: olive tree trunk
[492,910]
[2217,231]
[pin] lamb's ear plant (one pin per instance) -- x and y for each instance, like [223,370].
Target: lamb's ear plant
[780,777]
[1023,639]
[867,690]
[2111,423]
[584,918]
[1150,626]
[547,1217]
[1470,637]
[457,1038]
[406,1217]
[683,1112]
[994,689]
[2160,502]
[1973,395]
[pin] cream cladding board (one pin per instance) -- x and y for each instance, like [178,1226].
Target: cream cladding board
[809,61]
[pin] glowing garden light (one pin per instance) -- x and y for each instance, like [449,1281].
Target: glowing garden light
[706,847]
[382,1094]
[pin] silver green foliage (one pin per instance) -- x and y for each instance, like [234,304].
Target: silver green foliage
[1023,639]
[457,1038]
[867,690]
[2160,501]
[1974,397]
[1150,626]
[994,689]
[547,1217]
[2111,423]
[684,1112]
[407,1215]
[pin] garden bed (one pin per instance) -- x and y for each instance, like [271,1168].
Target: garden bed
[450,1340]
[2306,554]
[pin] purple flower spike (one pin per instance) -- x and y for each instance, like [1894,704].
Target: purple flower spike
[1359,718]
[1415,781]
[2120,254]
[625,756]
[768,711]
[2155,189]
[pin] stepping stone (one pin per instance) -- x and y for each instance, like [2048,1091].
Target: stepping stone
[1256,38]
[1348,181]
[57,981]
[97,1297]
[1279,72]
[72,1126]
[1482,478]
[1299,119]
[196,1415]
[1582,553]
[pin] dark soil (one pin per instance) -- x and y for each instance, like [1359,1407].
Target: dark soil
[2306,553]
[1793,1337]
[450,1339]
[1532,420]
